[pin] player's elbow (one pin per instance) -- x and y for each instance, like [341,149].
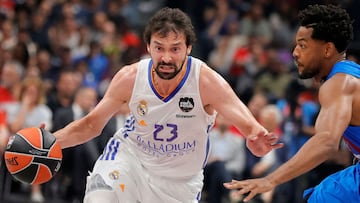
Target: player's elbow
[94,126]
[83,130]
[331,145]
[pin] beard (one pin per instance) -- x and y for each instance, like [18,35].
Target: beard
[308,74]
[168,75]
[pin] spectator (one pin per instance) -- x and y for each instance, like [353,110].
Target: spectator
[276,76]
[82,48]
[247,62]
[216,17]
[63,93]
[98,63]
[226,161]
[12,73]
[48,72]
[282,24]
[39,30]
[20,53]
[98,21]
[254,23]
[221,57]
[8,37]
[30,46]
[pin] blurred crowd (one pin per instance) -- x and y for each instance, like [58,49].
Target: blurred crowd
[57,58]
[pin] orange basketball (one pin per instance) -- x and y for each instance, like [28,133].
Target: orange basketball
[33,156]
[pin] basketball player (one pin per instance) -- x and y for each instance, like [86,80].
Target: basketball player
[321,42]
[173,98]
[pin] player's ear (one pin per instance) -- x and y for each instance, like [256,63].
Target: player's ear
[148,48]
[330,49]
[188,49]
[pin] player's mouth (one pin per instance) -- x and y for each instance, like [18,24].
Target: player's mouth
[298,64]
[167,68]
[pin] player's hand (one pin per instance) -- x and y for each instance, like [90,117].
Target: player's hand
[250,187]
[262,144]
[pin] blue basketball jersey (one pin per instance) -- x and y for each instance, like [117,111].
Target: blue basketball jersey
[343,186]
[352,133]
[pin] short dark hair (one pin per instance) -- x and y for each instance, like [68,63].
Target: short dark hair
[170,20]
[330,23]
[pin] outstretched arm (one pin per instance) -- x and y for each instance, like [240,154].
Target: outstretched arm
[115,100]
[216,93]
[336,98]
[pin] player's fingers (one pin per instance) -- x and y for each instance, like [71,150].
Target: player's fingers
[277,145]
[250,196]
[229,185]
[273,137]
[233,184]
[273,140]
[270,134]
[248,191]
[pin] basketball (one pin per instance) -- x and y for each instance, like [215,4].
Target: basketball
[33,156]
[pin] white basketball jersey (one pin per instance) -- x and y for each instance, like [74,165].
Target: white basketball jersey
[169,135]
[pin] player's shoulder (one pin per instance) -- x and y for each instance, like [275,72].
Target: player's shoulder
[209,75]
[131,69]
[127,72]
[124,78]
[337,86]
[339,80]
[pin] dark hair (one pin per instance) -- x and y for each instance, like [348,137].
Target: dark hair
[330,23]
[170,20]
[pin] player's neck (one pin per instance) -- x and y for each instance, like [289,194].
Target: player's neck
[341,57]
[166,87]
